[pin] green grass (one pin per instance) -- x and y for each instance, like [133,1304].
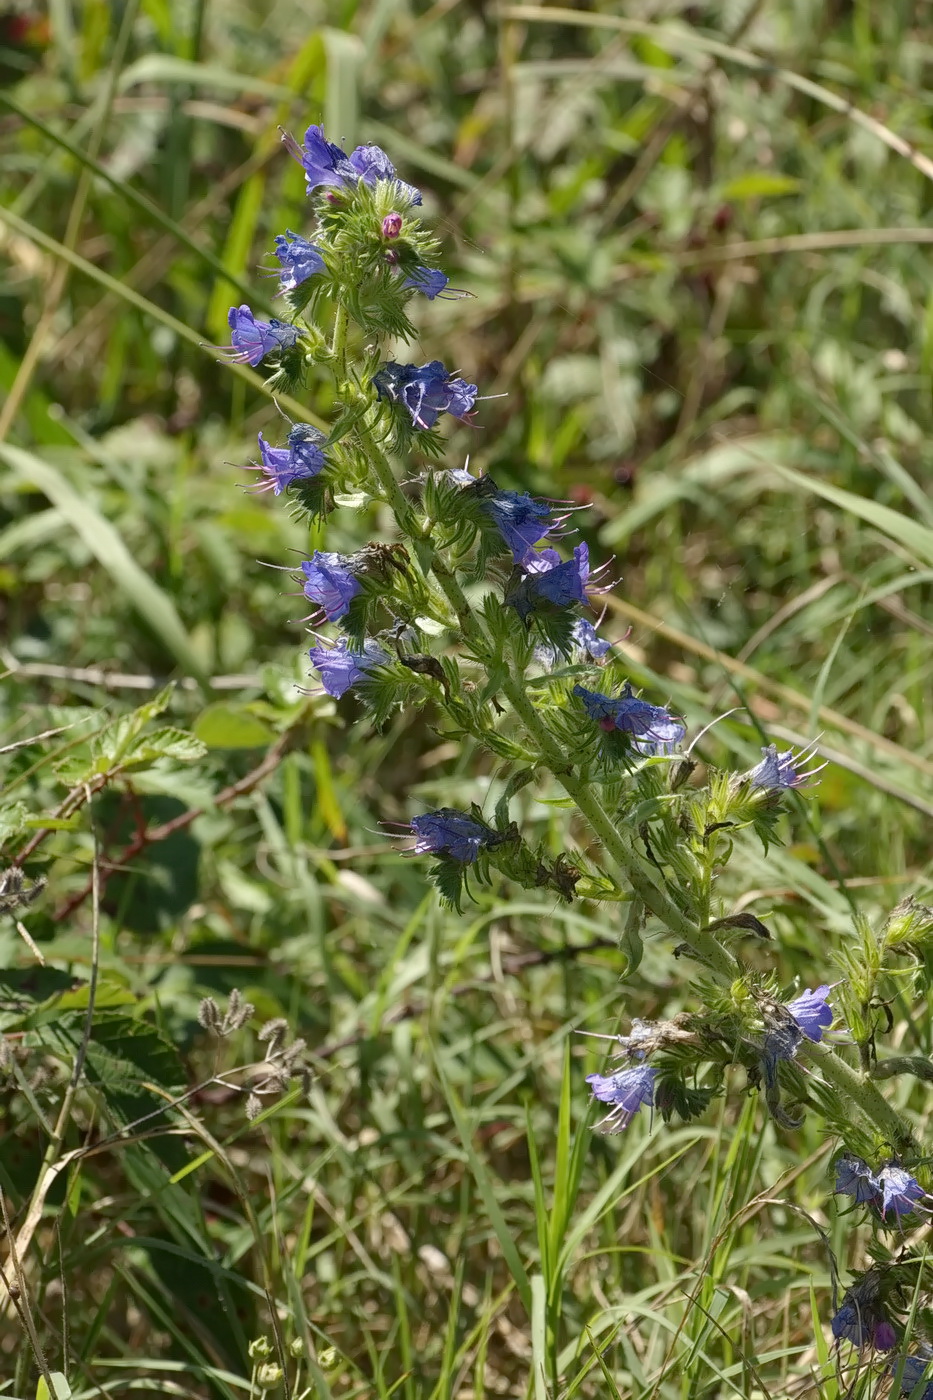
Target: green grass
[698,247]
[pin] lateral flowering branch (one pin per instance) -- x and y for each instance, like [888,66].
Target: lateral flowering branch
[476,611]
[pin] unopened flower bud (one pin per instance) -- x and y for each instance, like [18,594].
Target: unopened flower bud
[909,923]
[328,1359]
[392,225]
[392,257]
[268,1375]
[259,1349]
[296,1347]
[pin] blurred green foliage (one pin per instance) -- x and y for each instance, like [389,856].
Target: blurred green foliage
[697,242]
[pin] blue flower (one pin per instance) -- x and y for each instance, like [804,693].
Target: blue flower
[448,832]
[782,1038]
[550,580]
[329,583]
[299,258]
[586,645]
[252,340]
[652,728]
[340,668]
[892,1188]
[426,391]
[326,164]
[899,1190]
[914,1369]
[301,460]
[522,521]
[428,280]
[861,1319]
[863,1327]
[784,770]
[590,644]
[627,1090]
[855,1178]
[812,1012]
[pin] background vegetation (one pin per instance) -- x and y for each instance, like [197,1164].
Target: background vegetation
[697,241]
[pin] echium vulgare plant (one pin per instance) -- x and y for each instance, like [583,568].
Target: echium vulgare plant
[474,610]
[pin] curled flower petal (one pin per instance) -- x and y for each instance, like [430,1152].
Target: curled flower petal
[861,1319]
[301,460]
[341,668]
[522,521]
[329,583]
[426,391]
[428,280]
[899,1190]
[299,259]
[586,645]
[550,581]
[653,729]
[451,833]
[326,164]
[812,1012]
[855,1178]
[627,1091]
[782,770]
[252,340]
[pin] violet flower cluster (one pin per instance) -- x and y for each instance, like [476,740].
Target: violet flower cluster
[480,612]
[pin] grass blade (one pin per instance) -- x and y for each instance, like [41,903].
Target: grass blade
[108,548]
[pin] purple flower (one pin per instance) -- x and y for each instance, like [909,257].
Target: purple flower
[451,833]
[299,258]
[585,637]
[784,770]
[586,646]
[861,1319]
[429,280]
[550,580]
[252,340]
[855,1178]
[862,1328]
[392,225]
[326,164]
[329,583]
[627,1090]
[426,391]
[812,1012]
[899,1190]
[782,1037]
[914,1369]
[522,521]
[340,668]
[652,728]
[892,1188]
[301,460]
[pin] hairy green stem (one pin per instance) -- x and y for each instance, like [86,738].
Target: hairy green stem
[338,343]
[856,1087]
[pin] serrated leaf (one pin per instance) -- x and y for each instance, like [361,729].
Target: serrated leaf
[168,743]
[225,726]
[76,768]
[127,1059]
[13,819]
[448,876]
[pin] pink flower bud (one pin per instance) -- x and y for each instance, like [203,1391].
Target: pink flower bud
[392,225]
